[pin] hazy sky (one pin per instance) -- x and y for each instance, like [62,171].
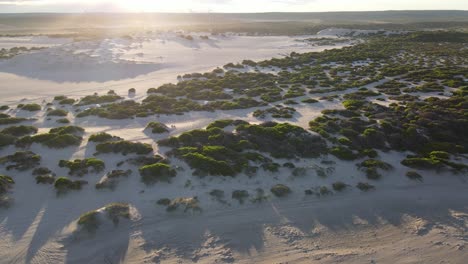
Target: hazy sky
[8,6]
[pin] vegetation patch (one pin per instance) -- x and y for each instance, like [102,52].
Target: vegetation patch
[275,112]
[60,137]
[110,180]
[413,175]
[187,204]
[339,186]
[21,160]
[280,190]
[214,151]
[240,195]
[363,186]
[62,185]
[103,137]
[30,107]
[151,174]
[19,131]
[96,99]
[80,167]
[157,128]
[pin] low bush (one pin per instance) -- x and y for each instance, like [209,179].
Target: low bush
[151,174]
[57,112]
[280,190]
[63,121]
[11,120]
[96,99]
[365,186]
[103,137]
[45,179]
[310,101]
[6,140]
[422,163]
[21,160]
[164,201]
[413,175]
[240,195]
[339,186]
[115,211]
[188,204]
[41,171]
[30,107]
[63,185]
[6,182]
[157,127]
[343,153]
[19,131]
[80,167]
[90,221]
[110,180]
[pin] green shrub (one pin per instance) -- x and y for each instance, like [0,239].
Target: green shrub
[422,163]
[372,173]
[11,120]
[21,160]
[280,190]
[412,175]
[271,166]
[353,104]
[73,130]
[30,107]
[63,121]
[205,164]
[323,190]
[41,171]
[80,167]
[45,179]
[6,140]
[103,137]
[96,99]
[339,186]
[19,131]
[365,186]
[63,185]
[67,101]
[90,221]
[153,173]
[63,141]
[189,204]
[439,155]
[343,153]
[6,182]
[218,194]
[57,112]
[240,195]
[164,201]
[157,127]
[115,211]
[310,101]
[373,163]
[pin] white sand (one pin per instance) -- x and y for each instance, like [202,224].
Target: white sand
[82,68]
[402,221]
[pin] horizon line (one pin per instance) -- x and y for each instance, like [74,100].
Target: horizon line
[273,12]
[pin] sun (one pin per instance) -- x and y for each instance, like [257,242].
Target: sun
[150,5]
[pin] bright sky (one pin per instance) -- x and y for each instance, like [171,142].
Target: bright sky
[234,6]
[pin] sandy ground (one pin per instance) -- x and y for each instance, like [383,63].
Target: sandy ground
[402,221]
[82,68]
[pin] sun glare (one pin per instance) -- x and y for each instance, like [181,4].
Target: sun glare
[149,5]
